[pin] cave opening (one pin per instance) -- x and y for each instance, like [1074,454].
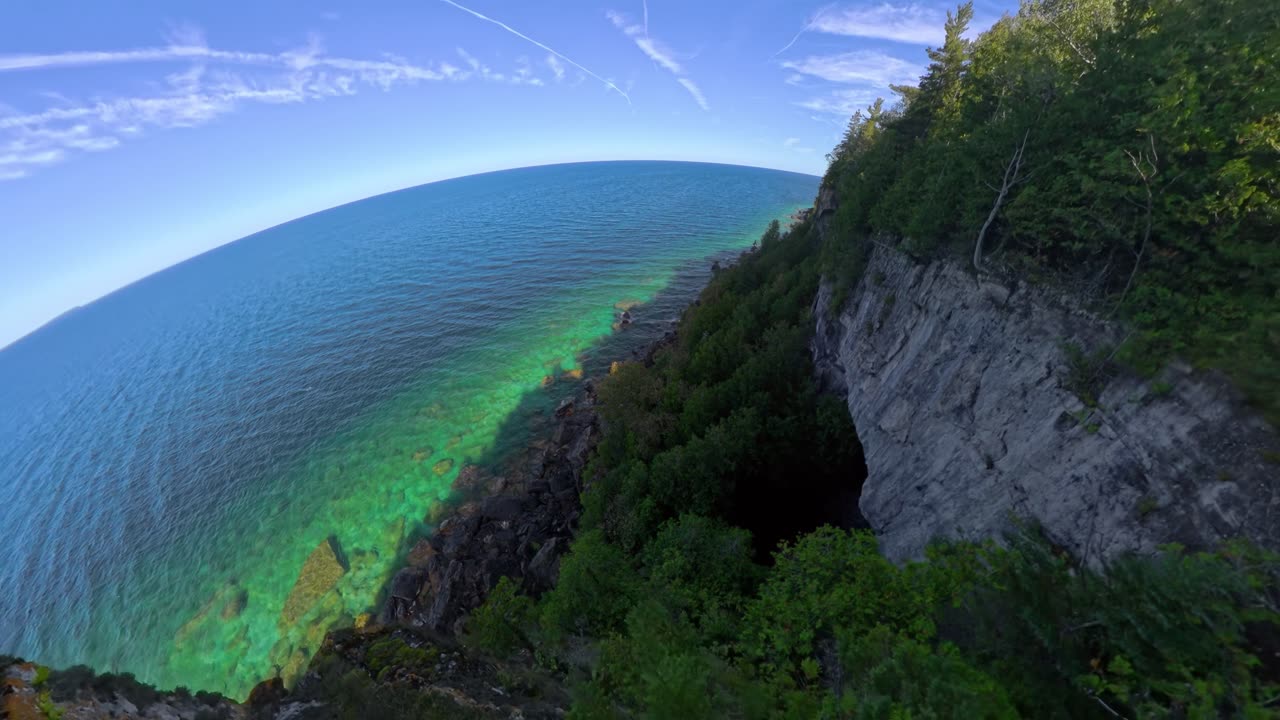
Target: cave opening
[817,483]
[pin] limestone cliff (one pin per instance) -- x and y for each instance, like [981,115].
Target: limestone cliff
[961,394]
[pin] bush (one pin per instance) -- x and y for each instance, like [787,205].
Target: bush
[499,626]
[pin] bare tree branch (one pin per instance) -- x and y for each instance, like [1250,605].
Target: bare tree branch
[1011,171]
[1145,166]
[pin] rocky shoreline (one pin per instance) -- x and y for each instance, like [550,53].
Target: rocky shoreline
[514,524]
[514,521]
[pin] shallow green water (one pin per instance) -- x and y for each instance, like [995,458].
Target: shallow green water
[177,450]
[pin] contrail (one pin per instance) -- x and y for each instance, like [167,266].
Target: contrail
[526,38]
[645,3]
[794,39]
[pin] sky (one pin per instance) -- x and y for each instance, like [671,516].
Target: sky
[136,135]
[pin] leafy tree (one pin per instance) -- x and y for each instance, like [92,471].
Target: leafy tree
[499,626]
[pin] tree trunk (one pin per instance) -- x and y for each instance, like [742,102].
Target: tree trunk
[1011,171]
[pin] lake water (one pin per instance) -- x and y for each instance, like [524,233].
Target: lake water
[171,454]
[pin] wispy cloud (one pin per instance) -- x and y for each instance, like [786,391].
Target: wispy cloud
[608,83]
[214,83]
[656,51]
[557,67]
[861,77]
[793,144]
[696,92]
[857,67]
[842,102]
[912,23]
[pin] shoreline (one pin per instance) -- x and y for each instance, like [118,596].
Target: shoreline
[514,519]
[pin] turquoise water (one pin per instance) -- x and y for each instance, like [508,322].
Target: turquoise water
[172,453]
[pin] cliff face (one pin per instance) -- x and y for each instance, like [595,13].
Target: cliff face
[961,394]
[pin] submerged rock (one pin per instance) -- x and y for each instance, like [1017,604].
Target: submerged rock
[235,604]
[321,571]
[443,466]
[226,602]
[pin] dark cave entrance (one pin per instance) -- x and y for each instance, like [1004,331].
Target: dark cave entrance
[817,482]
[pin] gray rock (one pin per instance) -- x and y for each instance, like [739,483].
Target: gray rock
[959,394]
[481,541]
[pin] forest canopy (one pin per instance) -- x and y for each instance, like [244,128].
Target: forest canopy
[1130,149]
[1125,149]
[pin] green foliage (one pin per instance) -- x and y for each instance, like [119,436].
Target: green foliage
[348,693]
[727,422]
[670,608]
[1149,173]
[498,626]
[705,572]
[1087,373]
[890,676]
[392,653]
[658,664]
[832,581]
[1149,634]
[47,707]
[596,589]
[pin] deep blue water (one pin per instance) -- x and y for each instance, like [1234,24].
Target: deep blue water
[192,437]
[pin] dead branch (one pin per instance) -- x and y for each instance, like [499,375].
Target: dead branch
[1146,166]
[1011,171]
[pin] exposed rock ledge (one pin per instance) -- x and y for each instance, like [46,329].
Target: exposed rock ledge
[957,389]
[518,525]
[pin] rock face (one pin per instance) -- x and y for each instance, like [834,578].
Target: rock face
[960,392]
[321,571]
[518,525]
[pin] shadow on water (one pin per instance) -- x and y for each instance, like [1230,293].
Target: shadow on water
[828,495]
[530,424]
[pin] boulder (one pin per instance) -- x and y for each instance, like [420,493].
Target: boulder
[544,568]
[565,408]
[320,573]
[265,697]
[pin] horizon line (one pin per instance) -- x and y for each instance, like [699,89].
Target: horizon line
[8,345]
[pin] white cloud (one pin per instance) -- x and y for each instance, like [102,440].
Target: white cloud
[656,51]
[608,83]
[913,23]
[857,67]
[842,102]
[869,73]
[793,144]
[215,83]
[696,92]
[557,67]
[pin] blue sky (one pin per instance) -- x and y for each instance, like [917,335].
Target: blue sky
[135,135]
